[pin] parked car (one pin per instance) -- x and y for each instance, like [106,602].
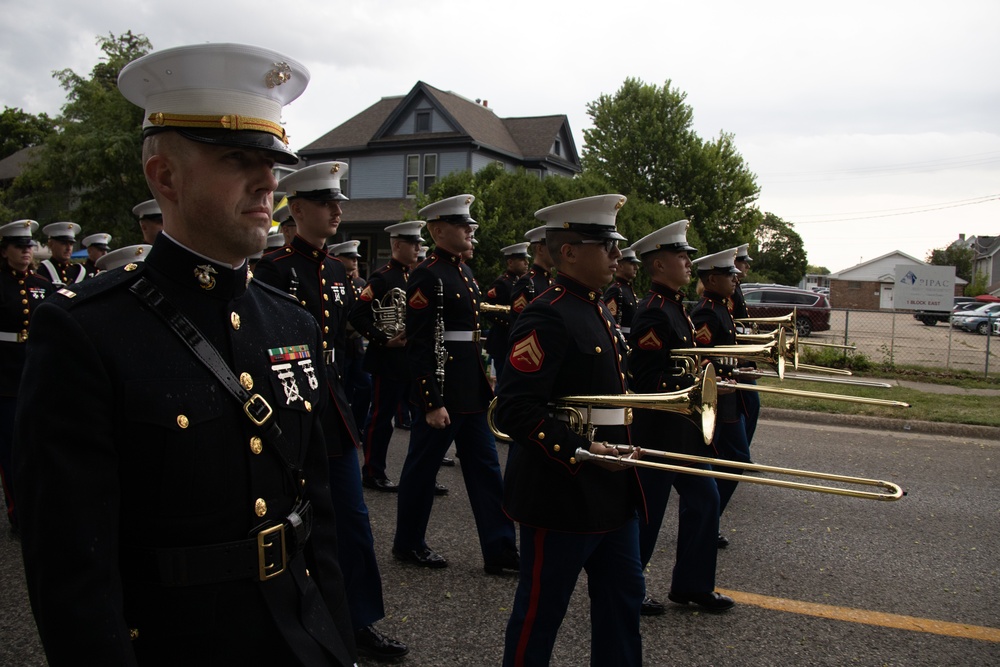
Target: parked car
[932,317]
[812,308]
[978,320]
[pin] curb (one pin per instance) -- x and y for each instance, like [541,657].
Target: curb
[883,423]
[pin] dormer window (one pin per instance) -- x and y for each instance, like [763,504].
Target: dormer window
[423,121]
[557,147]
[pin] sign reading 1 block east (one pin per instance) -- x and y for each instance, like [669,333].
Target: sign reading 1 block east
[924,287]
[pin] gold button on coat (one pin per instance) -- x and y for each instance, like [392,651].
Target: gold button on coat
[182,421]
[260,507]
[556,448]
[234,319]
[246,381]
[597,349]
[572,459]
[308,406]
[256,446]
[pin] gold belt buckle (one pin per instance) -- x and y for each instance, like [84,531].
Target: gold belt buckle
[266,570]
[22,337]
[476,335]
[257,399]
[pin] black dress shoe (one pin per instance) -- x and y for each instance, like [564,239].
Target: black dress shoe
[440,489]
[508,560]
[383,484]
[447,461]
[723,541]
[373,644]
[420,557]
[714,602]
[651,606]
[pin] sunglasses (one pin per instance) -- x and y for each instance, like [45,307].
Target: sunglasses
[608,244]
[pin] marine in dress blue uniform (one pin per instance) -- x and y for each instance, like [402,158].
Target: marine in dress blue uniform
[499,294]
[713,323]
[58,268]
[620,295]
[21,290]
[178,527]
[357,381]
[573,516]
[537,279]
[385,357]
[321,286]
[150,220]
[97,247]
[749,400]
[451,393]
[660,326]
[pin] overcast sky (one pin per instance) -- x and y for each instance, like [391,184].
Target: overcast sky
[872,126]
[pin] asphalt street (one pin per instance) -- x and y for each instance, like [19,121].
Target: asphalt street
[799,563]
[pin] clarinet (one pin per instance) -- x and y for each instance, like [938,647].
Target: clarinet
[293,285]
[440,352]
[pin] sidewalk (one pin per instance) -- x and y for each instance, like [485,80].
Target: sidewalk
[900,425]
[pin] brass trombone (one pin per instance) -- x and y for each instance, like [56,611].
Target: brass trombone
[700,399]
[493,308]
[806,377]
[791,349]
[893,491]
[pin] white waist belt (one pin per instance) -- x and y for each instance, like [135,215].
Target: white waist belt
[626,330]
[8,337]
[462,336]
[329,357]
[601,416]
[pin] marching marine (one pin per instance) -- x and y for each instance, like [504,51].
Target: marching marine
[452,393]
[21,291]
[190,522]
[59,269]
[97,247]
[573,515]
[660,326]
[320,284]
[380,316]
[620,295]
[499,294]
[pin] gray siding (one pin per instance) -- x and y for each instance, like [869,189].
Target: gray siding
[378,177]
[452,162]
[480,161]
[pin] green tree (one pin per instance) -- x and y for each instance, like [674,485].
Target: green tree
[977,285]
[643,143]
[89,169]
[506,203]
[20,129]
[817,270]
[778,252]
[954,255]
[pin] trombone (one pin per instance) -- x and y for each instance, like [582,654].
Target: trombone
[892,491]
[700,399]
[494,308]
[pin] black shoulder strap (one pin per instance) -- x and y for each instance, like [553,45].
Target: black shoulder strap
[254,406]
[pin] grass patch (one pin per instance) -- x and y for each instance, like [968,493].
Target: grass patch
[952,408]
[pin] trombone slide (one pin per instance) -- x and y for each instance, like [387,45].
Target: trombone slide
[894,492]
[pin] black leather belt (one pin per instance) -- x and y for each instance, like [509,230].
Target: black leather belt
[261,557]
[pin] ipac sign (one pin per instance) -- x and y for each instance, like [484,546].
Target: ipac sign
[924,287]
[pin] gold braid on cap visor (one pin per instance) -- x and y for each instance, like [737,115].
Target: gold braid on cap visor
[227,122]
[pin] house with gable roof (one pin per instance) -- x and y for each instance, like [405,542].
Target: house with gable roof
[407,142]
[869,285]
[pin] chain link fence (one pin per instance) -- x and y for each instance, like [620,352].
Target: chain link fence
[896,338]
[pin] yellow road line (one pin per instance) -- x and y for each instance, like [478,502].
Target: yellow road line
[867,617]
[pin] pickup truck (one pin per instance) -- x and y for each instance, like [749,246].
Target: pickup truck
[932,317]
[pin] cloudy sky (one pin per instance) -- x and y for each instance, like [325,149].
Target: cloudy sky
[872,126]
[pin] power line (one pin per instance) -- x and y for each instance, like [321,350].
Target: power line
[989,198]
[855,173]
[911,209]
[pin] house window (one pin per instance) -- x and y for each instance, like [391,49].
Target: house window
[853,284]
[422,170]
[412,172]
[557,147]
[430,170]
[423,122]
